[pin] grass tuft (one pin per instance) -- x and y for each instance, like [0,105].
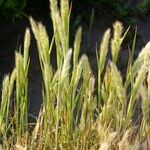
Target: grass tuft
[74,114]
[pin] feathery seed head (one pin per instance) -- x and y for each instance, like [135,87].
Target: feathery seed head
[117,40]
[104,49]
[77,43]
[118,28]
[66,65]
[26,47]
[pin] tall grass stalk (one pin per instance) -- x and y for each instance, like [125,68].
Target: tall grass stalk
[101,60]
[21,107]
[7,90]
[139,79]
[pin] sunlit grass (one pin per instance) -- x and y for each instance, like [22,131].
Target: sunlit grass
[73,114]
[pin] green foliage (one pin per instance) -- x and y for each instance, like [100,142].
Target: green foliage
[12,8]
[118,6]
[126,10]
[144,7]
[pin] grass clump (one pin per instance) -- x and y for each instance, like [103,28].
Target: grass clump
[73,114]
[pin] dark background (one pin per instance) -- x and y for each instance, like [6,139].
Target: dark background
[123,9]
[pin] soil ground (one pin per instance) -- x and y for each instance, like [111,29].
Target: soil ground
[11,37]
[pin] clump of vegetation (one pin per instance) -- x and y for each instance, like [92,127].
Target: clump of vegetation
[72,116]
[12,8]
[144,7]
[127,11]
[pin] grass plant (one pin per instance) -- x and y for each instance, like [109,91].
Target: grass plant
[74,115]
